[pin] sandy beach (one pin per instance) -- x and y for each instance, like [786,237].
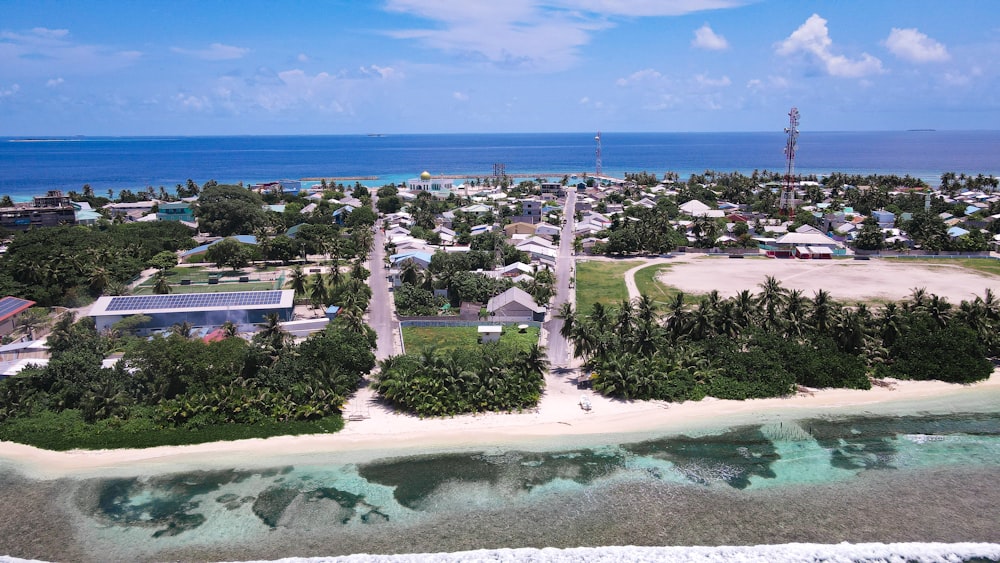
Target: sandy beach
[558,422]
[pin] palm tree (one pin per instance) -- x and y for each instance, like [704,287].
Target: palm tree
[821,311]
[161,283]
[182,329]
[318,293]
[61,337]
[299,280]
[272,334]
[534,360]
[568,317]
[229,329]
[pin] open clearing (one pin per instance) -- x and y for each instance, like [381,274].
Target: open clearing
[846,280]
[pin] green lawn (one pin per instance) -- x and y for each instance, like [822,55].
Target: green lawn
[602,282]
[446,338]
[983,265]
[645,281]
[205,288]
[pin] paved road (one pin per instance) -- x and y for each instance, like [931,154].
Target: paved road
[558,347]
[380,310]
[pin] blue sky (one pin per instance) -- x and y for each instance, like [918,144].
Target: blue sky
[440,66]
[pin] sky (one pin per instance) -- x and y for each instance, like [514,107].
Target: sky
[93,67]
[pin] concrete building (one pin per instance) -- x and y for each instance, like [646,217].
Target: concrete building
[44,211]
[209,310]
[175,211]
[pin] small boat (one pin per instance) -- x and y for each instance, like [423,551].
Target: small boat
[585,403]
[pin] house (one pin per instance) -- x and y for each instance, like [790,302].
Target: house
[886,219]
[476,209]
[515,305]
[85,214]
[10,309]
[694,208]
[518,229]
[531,208]
[480,230]
[552,188]
[547,230]
[175,211]
[341,213]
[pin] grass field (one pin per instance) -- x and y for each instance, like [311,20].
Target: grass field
[602,282]
[446,338]
[645,281]
[145,289]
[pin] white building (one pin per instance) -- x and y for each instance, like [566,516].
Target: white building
[439,187]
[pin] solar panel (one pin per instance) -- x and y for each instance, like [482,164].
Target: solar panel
[10,304]
[194,300]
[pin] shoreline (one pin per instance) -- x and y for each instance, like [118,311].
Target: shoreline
[557,424]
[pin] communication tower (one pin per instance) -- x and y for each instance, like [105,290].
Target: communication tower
[597,172]
[786,204]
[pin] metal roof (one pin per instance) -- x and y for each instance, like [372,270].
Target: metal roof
[10,306]
[185,302]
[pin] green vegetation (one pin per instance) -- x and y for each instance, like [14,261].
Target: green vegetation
[449,338]
[69,266]
[647,284]
[493,377]
[188,390]
[67,430]
[762,345]
[602,282]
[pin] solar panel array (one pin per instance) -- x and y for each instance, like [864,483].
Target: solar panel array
[194,301]
[10,304]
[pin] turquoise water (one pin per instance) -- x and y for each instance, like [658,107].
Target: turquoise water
[828,480]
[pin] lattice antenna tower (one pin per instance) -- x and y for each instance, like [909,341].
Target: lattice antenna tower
[787,202]
[597,171]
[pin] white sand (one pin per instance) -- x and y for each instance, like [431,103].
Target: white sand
[558,422]
[847,280]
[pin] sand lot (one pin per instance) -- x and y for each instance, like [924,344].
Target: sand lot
[846,280]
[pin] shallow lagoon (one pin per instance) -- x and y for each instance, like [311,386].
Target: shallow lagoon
[823,479]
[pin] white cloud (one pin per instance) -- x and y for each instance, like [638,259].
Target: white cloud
[528,34]
[584,101]
[383,72]
[302,58]
[772,83]
[214,52]
[193,103]
[50,33]
[644,75]
[813,39]
[642,8]
[706,81]
[705,38]
[288,90]
[460,96]
[911,45]
[41,52]
[9,91]
[54,82]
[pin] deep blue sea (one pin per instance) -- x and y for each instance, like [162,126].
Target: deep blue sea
[31,166]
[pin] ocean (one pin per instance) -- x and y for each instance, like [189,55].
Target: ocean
[31,166]
[817,486]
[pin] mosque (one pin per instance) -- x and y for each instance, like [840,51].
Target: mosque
[439,187]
